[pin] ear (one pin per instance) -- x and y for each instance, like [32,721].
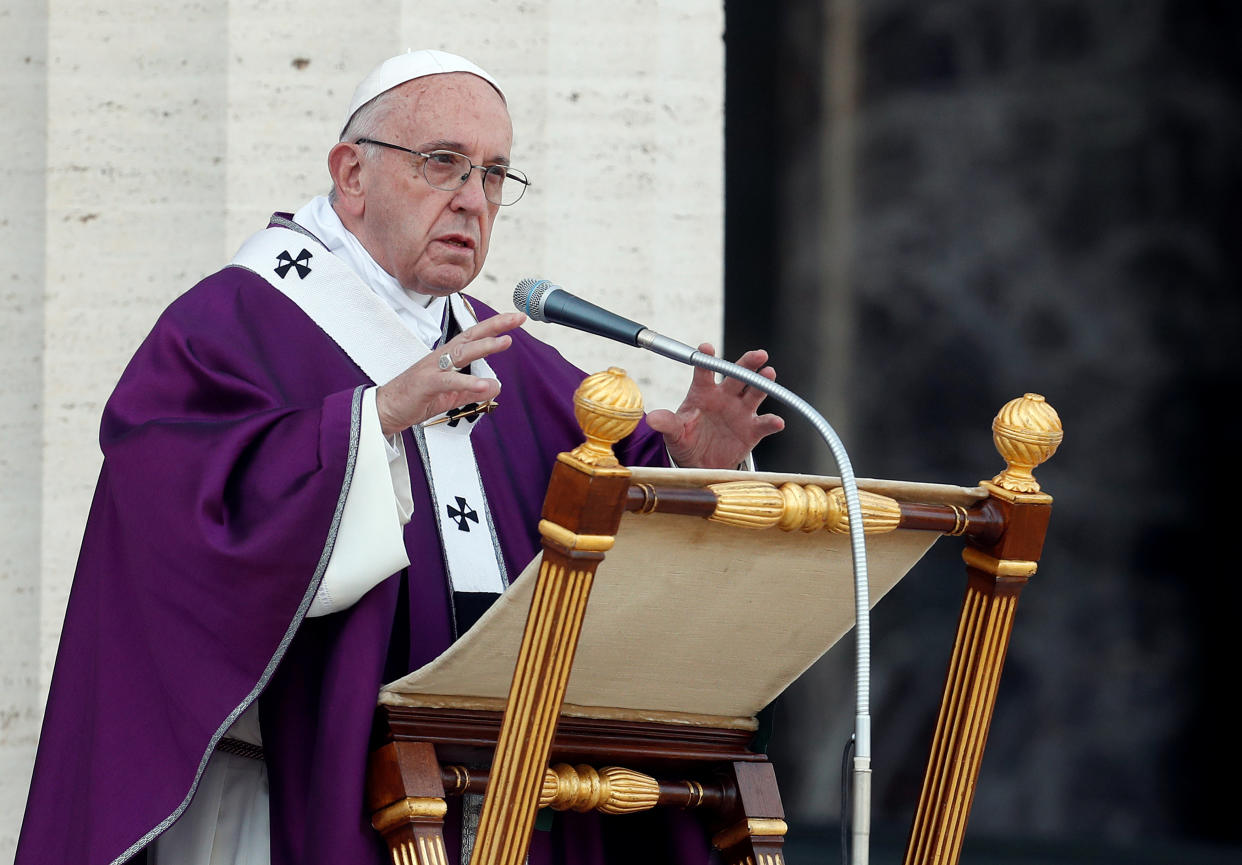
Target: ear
[346,170]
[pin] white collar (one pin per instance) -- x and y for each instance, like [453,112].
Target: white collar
[422,314]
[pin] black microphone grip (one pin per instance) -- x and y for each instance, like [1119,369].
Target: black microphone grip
[543,301]
[564,308]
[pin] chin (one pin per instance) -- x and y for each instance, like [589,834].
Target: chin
[441,282]
[442,289]
[435,291]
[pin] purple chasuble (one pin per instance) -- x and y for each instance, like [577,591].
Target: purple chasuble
[228,449]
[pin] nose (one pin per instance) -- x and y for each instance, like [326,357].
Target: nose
[469,196]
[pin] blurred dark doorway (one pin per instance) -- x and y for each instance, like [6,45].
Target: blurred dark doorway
[959,202]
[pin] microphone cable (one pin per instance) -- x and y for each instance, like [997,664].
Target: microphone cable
[846,753]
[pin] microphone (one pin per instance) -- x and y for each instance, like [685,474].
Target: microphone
[543,301]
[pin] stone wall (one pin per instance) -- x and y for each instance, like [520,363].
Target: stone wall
[23,91]
[147,139]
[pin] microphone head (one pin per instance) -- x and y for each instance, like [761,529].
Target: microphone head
[529,295]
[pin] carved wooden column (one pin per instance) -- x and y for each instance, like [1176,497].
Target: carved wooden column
[586,498]
[754,829]
[1027,431]
[406,802]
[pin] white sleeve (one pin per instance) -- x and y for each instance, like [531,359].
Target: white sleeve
[746,465]
[369,541]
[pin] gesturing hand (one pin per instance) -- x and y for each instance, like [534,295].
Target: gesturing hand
[424,390]
[716,425]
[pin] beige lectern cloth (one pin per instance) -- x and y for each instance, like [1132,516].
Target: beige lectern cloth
[687,616]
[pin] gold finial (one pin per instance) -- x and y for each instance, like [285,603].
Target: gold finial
[608,406]
[1027,432]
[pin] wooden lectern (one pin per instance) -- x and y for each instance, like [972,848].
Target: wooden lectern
[659,710]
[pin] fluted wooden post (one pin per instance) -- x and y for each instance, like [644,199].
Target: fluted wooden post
[586,498]
[405,798]
[1026,431]
[753,832]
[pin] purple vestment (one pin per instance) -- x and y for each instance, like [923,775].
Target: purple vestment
[228,445]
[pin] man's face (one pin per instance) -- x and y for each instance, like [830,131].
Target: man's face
[434,242]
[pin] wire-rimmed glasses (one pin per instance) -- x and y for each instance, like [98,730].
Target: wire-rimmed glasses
[448,170]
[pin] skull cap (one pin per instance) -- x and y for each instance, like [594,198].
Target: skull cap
[396,71]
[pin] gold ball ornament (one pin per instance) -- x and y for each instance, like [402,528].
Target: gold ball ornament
[1026,431]
[608,406]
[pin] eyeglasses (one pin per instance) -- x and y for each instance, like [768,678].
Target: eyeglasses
[449,171]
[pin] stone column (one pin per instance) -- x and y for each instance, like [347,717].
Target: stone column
[147,140]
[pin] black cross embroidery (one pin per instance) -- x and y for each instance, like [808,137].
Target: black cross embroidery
[468,412]
[462,513]
[302,263]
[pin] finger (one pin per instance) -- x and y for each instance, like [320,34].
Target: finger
[766,424]
[478,391]
[753,396]
[484,338]
[465,386]
[704,377]
[494,326]
[666,422]
[753,359]
[464,352]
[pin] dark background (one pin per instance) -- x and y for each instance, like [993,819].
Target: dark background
[1031,196]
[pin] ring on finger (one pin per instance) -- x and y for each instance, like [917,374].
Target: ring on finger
[446,363]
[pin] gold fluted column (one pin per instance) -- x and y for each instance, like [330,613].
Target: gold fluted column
[581,513]
[1027,431]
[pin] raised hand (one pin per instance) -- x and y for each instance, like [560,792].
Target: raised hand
[717,425]
[425,390]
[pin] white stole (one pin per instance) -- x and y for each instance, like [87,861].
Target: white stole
[369,331]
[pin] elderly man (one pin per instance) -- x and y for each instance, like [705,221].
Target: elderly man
[311,484]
